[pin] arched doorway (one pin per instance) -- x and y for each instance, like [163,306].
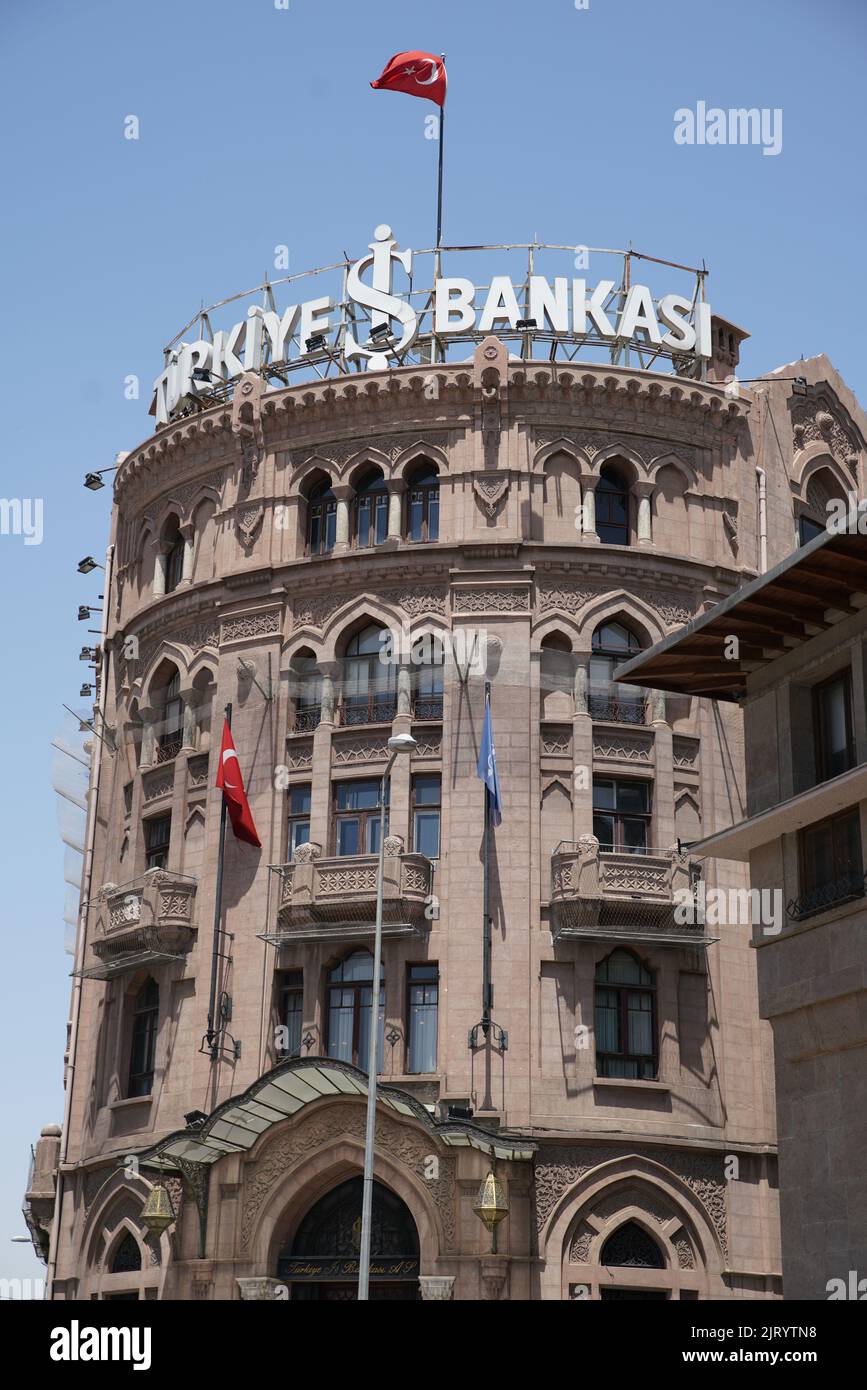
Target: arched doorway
[322,1261]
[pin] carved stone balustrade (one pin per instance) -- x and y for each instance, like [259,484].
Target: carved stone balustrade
[148,921]
[647,896]
[334,899]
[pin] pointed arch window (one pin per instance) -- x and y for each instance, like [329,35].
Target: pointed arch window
[371,510]
[631,1247]
[174,559]
[612,700]
[127,1255]
[612,507]
[321,519]
[423,505]
[349,1001]
[171,737]
[143,1042]
[368,680]
[625,1018]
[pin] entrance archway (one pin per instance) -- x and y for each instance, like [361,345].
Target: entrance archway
[322,1261]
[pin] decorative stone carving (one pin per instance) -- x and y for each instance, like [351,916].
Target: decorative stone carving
[493,1270]
[299,755]
[313,1135]
[340,452]
[570,597]
[491,489]
[579,1249]
[558,1170]
[415,601]
[436,1288]
[428,745]
[393,846]
[360,749]
[260,1288]
[632,748]
[306,853]
[685,751]
[250,625]
[815,420]
[590,442]
[248,521]
[684,1251]
[500,599]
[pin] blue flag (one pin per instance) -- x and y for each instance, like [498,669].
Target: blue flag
[487,767]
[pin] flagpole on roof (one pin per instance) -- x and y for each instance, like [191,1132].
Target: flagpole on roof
[440,173]
[212,1033]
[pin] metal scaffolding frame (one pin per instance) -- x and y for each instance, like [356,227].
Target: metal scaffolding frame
[429,348]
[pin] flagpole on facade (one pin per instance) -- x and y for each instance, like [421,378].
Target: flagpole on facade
[486,897]
[218,915]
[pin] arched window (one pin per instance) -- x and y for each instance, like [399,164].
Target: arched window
[612,507]
[327,1241]
[306,689]
[423,505]
[371,510]
[350,995]
[171,735]
[822,490]
[127,1255]
[321,519]
[614,643]
[427,676]
[368,680]
[625,1013]
[631,1247]
[143,1041]
[174,551]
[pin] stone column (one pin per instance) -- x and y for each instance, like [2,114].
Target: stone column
[436,1288]
[260,1288]
[663,756]
[643,492]
[588,509]
[582,753]
[399,801]
[189,740]
[149,717]
[189,536]
[160,566]
[396,490]
[343,493]
[320,785]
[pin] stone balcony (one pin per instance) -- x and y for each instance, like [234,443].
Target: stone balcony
[148,921]
[334,899]
[604,895]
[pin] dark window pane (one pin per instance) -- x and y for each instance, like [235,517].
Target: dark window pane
[427,833]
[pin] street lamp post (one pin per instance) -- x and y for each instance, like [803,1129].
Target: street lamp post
[401,743]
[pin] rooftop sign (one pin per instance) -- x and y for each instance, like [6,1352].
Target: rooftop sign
[379,319]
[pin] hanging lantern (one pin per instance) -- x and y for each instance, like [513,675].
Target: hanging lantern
[157,1212]
[490,1205]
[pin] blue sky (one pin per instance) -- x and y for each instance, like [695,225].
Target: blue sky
[258,128]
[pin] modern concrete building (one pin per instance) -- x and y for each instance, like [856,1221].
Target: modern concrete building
[537,521]
[798,673]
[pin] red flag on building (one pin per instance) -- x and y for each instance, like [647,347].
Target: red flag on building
[419,74]
[231,783]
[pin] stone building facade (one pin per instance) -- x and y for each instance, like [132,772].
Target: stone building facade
[804,836]
[536,522]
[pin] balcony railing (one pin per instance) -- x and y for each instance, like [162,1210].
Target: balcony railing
[334,899]
[603,705]
[604,894]
[169,747]
[380,710]
[841,890]
[306,719]
[148,921]
[427,707]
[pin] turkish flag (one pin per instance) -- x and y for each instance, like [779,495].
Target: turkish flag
[231,783]
[419,74]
